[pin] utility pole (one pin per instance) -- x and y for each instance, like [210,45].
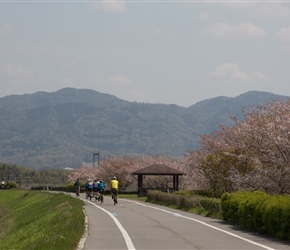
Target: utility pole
[98,155]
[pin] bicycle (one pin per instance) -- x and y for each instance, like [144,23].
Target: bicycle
[101,196]
[89,194]
[115,197]
[96,194]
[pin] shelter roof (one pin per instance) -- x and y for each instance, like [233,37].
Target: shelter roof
[157,169]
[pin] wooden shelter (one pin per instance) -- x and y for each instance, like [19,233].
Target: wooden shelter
[157,169]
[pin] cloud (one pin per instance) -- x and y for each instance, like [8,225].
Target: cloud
[138,95]
[110,6]
[156,31]
[255,9]
[5,29]
[224,30]
[274,11]
[284,34]
[68,81]
[17,77]
[96,79]
[203,16]
[230,72]
[14,70]
[105,83]
[74,60]
[285,48]
[120,80]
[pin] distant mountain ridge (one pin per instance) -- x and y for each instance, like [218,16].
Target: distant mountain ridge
[64,128]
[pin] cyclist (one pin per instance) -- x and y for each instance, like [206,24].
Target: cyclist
[77,186]
[89,187]
[101,188]
[114,188]
[95,189]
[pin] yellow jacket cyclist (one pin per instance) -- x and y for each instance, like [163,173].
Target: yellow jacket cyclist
[114,186]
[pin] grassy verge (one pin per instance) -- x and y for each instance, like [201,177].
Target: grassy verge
[40,220]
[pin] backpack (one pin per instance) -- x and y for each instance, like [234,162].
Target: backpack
[90,184]
[101,186]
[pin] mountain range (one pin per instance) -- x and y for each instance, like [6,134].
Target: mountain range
[63,129]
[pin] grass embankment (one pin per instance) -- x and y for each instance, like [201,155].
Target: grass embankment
[40,220]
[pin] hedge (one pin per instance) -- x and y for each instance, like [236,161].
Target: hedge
[210,207]
[259,212]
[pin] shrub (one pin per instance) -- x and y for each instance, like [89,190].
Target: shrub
[38,188]
[205,193]
[213,205]
[230,206]
[257,211]
[201,205]
[11,185]
[276,216]
[70,187]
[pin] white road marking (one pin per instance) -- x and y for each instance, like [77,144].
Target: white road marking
[208,225]
[126,236]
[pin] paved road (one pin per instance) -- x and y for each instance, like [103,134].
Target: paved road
[140,225]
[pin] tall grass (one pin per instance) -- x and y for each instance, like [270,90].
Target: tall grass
[40,220]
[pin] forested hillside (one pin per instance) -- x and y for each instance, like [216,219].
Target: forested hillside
[64,128]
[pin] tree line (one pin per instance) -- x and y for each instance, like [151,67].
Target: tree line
[26,177]
[252,154]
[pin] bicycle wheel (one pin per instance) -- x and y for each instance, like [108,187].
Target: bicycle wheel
[115,199]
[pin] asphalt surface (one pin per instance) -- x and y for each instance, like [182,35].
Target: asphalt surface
[140,225]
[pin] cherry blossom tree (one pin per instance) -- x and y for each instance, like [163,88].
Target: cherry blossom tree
[252,154]
[123,167]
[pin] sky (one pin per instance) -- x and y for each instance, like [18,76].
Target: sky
[151,51]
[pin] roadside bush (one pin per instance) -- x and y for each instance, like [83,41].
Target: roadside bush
[205,193]
[276,216]
[38,188]
[201,205]
[230,206]
[251,210]
[50,188]
[212,205]
[61,188]
[188,202]
[12,184]
[70,187]
[161,198]
[259,212]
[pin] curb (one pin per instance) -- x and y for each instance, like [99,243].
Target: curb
[85,235]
